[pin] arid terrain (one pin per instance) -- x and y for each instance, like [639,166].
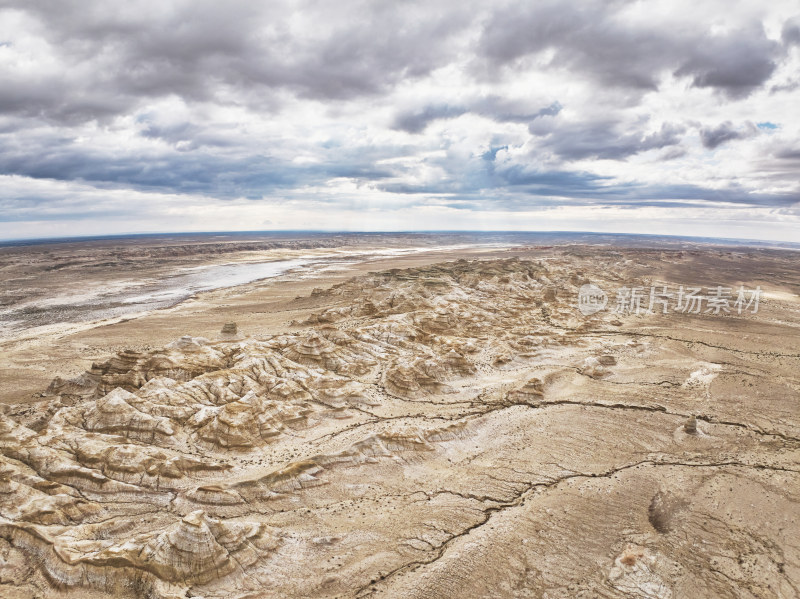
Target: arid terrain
[436,425]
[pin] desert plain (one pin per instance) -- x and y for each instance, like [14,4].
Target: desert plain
[400,416]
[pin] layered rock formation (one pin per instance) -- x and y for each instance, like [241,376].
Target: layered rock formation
[455,430]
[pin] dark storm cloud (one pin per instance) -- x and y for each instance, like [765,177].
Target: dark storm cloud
[118,55]
[259,61]
[791,32]
[657,195]
[712,137]
[416,121]
[565,188]
[494,183]
[496,108]
[737,63]
[788,153]
[582,35]
[529,182]
[187,137]
[199,50]
[606,139]
[590,39]
[206,168]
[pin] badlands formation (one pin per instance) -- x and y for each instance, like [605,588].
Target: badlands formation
[451,430]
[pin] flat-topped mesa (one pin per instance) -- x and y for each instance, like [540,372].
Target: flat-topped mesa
[230,332]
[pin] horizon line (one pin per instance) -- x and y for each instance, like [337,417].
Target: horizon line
[78,238]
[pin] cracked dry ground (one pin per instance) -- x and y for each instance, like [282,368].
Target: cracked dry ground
[458,430]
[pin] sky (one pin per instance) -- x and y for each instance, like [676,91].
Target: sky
[663,117]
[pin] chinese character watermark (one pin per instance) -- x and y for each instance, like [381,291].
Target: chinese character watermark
[660,299]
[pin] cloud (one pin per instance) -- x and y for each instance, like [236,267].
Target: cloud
[599,41]
[492,107]
[790,153]
[736,63]
[791,32]
[417,120]
[584,37]
[208,51]
[713,137]
[363,107]
[604,139]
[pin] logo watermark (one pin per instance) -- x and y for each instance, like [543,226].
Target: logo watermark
[591,299]
[663,299]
